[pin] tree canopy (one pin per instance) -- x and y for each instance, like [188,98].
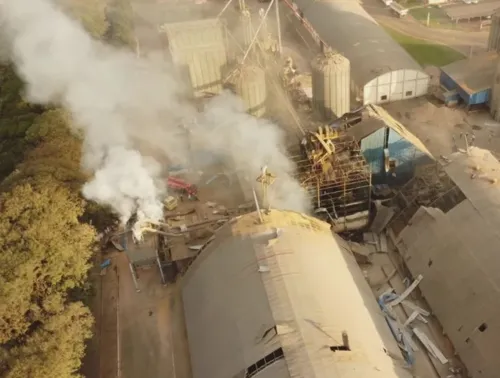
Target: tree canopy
[47,230]
[90,13]
[45,249]
[120,17]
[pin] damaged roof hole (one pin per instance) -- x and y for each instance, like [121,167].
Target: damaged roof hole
[483,327]
[345,344]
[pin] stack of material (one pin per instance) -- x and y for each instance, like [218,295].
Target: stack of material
[403,332]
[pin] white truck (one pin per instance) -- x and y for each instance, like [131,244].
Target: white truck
[398,9]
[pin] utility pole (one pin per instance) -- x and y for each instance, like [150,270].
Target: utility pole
[278,25]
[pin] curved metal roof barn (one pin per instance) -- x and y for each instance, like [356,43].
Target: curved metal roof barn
[284,298]
[381,70]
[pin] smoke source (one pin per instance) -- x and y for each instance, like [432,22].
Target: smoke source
[119,101]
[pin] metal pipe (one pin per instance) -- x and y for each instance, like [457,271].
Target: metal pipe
[134,277]
[257,205]
[257,32]
[224,9]
[278,25]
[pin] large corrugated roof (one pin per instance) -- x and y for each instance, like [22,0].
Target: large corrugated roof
[483,191]
[348,28]
[309,288]
[475,74]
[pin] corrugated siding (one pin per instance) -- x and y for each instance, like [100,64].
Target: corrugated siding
[407,156]
[480,97]
[372,147]
[199,49]
[227,311]
[447,81]
[313,291]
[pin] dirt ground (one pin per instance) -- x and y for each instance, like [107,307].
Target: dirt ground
[443,129]
[152,336]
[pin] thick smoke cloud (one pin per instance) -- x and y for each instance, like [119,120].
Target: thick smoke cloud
[121,103]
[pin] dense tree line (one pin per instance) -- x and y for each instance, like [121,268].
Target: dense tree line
[46,238]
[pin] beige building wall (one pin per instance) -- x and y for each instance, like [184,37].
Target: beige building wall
[458,253]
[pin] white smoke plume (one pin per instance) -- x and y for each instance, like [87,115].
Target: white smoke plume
[119,101]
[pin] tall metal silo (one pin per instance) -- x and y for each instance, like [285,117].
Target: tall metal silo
[198,48]
[494,36]
[495,95]
[249,82]
[331,76]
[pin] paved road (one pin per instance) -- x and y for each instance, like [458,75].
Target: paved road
[458,39]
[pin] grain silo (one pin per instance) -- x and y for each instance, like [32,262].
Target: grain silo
[330,84]
[494,36]
[249,82]
[278,295]
[198,48]
[495,95]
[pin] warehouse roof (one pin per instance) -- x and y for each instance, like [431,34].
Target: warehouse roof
[277,297]
[348,28]
[483,192]
[374,118]
[462,246]
[475,74]
[482,9]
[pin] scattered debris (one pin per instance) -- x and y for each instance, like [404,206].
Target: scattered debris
[411,318]
[383,243]
[407,291]
[430,346]
[414,307]
[118,246]
[105,263]
[382,218]
[263,269]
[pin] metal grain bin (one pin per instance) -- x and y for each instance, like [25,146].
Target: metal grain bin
[330,84]
[494,36]
[249,82]
[199,49]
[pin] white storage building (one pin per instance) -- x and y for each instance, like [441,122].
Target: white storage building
[381,70]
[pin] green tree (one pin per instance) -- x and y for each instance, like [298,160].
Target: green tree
[91,14]
[54,349]
[16,117]
[54,150]
[120,16]
[44,253]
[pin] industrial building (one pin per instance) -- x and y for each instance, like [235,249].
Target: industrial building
[482,9]
[391,150]
[454,244]
[381,70]
[469,80]
[331,168]
[274,295]
[198,49]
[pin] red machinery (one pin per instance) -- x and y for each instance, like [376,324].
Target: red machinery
[175,183]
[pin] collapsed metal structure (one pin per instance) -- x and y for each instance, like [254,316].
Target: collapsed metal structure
[331,167]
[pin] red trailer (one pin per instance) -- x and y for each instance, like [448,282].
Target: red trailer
[175,183]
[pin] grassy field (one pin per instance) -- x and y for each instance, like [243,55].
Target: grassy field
[437,17]
[426,53]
